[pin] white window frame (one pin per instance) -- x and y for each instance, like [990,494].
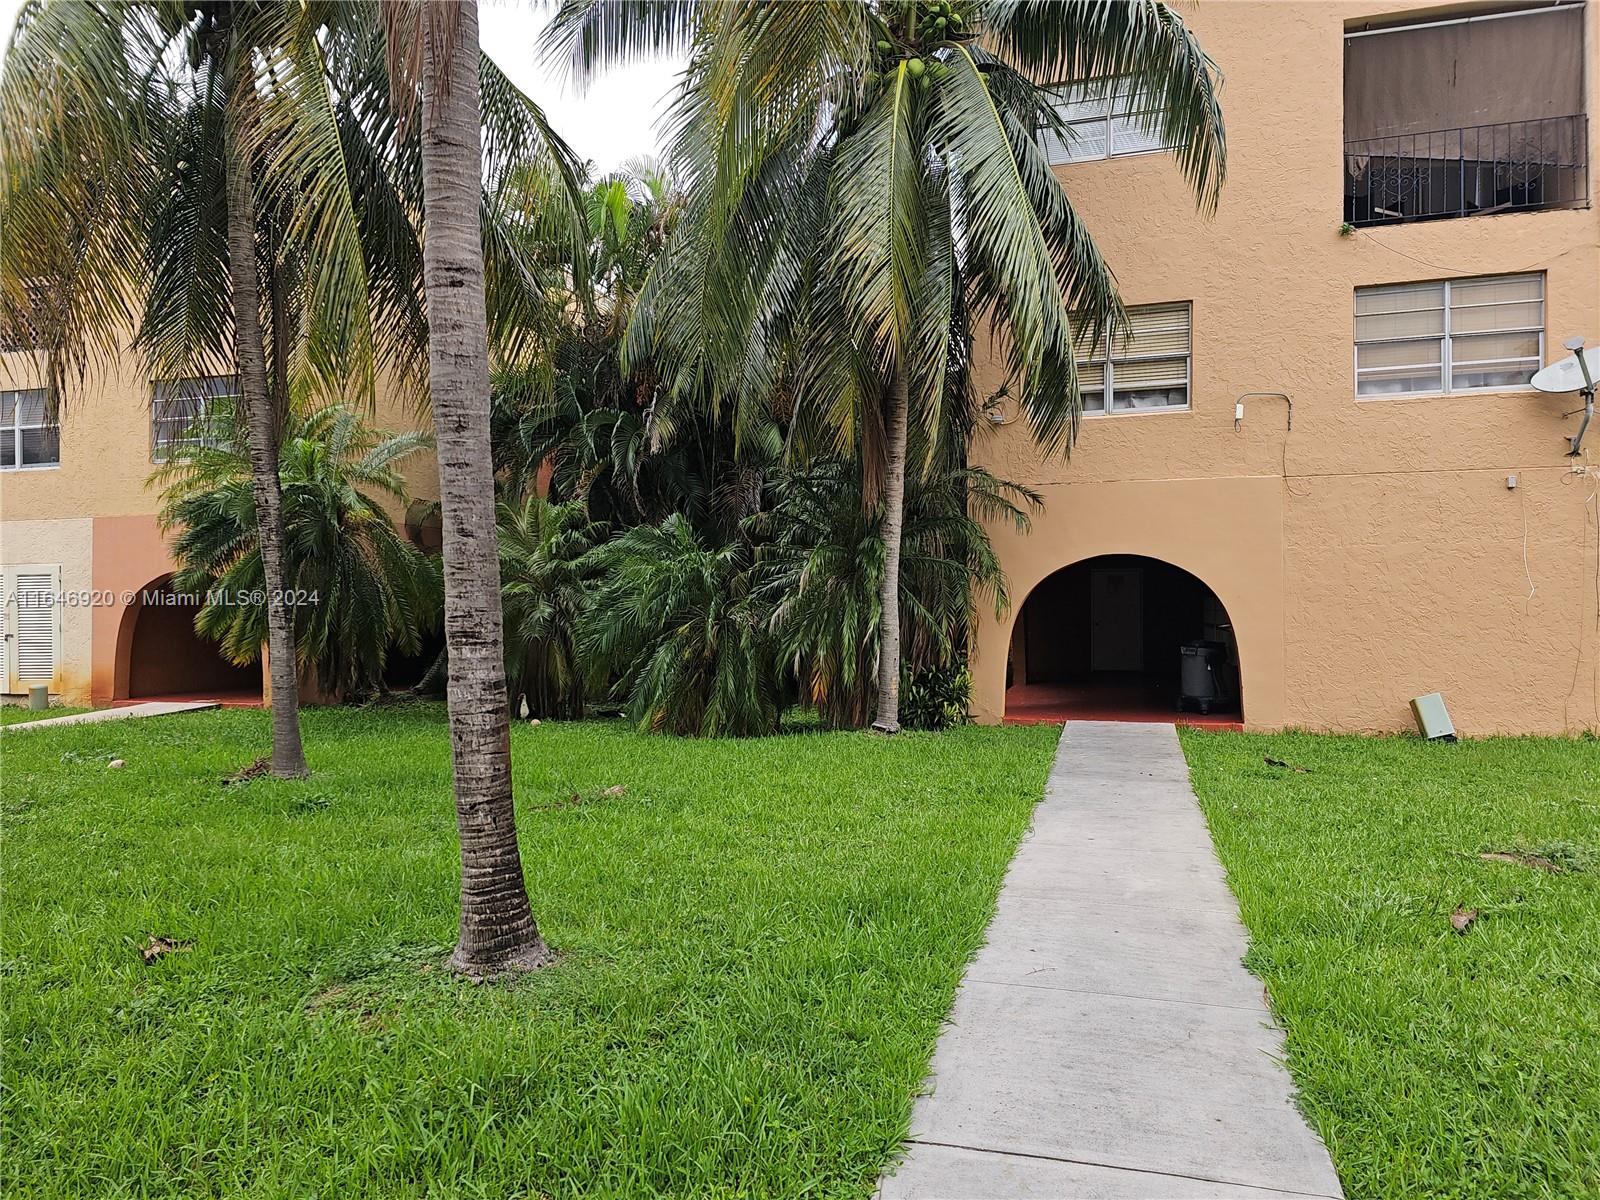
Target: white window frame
[1446,358]
[1063,154]
[14,430]
[1107,360]
[161,448]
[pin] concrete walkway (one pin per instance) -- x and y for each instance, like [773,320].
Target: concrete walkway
[153,709]
[1106,1042]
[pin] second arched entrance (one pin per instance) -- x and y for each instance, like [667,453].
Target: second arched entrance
[161,657]
[1123,637]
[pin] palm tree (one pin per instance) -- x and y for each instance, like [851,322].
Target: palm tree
[498,932]
[571,411]
[229,181]
[364,588]
[546,574]
[230,57]
[338,175]
[184,83]
[864,183]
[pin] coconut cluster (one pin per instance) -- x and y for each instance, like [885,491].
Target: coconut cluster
[941,19]
[937,21]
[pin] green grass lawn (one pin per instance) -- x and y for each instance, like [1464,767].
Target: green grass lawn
[16,714]
[759,941]
[1435,1063]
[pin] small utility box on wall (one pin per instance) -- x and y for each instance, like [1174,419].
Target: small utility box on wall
[1433,719]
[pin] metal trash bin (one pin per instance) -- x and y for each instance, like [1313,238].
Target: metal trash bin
[1200,675]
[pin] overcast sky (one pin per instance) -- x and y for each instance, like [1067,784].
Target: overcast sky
[612,121]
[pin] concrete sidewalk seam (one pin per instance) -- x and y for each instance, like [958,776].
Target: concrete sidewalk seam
[1088,1162]
[1077,991]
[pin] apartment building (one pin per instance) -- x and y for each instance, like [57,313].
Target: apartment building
[89,607]
[1405,236]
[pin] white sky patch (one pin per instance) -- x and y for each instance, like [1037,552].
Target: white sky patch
[610,121]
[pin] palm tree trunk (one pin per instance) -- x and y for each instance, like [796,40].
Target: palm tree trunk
[894,496]
[497,927]
[261,428]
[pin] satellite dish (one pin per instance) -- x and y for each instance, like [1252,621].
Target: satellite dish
[1575,373]
[1568,375]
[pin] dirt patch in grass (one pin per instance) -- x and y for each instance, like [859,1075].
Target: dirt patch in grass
[157,947]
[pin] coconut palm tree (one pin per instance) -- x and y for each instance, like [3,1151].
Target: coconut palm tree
[159,131]
[864,183]
[366,590]
[436,45]
[229,182]
[339,179]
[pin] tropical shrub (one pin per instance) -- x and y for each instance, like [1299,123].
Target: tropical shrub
[546,572]
[821,571]
[936,698]
[362,589]
[675,624]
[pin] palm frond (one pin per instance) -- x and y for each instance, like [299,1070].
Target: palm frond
[590,36]
[1146,43]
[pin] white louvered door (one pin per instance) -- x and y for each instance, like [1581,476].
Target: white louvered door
[33,625]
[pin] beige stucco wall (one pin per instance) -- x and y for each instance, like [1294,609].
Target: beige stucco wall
[1375,552]
[69,544]
[105,445]
[105,448]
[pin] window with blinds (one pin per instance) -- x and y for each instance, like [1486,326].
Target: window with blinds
[27,439]
[1456,335]
[190,412]
[1104,119]
[1147,366]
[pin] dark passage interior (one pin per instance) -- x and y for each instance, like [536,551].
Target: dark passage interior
[169,659]
[1121,637]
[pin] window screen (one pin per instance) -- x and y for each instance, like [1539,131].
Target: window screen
[1457,335]
[190,412]
[1104,120]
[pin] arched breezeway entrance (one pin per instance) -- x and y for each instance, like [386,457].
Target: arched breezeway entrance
[159,655]
[1123,637]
